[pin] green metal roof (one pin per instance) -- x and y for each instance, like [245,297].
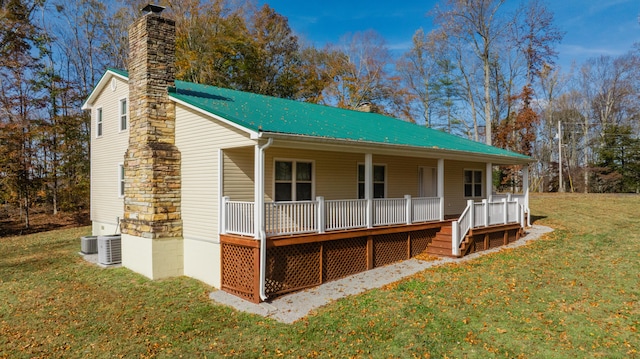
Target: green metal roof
[122,73]
[259,113]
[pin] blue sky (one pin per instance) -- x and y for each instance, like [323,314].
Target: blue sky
[592,27]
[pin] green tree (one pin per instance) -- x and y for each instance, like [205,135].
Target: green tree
[618,166]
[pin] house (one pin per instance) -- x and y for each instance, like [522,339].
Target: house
[262,196]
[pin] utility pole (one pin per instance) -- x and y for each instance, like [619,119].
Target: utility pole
[560,181]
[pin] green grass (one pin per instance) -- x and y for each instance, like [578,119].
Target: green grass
[572,294]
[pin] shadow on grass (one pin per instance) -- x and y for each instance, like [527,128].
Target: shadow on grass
[535,218]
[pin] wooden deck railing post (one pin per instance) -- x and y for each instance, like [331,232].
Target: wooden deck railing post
[407,198]
[506,211]
[485,210]
[455,233]
[223,214]
[320,214]
[472,213]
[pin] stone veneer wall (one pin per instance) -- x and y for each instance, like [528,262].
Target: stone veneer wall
[152,161]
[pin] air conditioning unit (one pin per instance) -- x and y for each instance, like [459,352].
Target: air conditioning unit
[109,249]
[89,244]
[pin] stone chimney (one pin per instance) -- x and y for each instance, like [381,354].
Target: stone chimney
[152,161]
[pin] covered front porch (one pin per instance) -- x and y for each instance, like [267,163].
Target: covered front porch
[302,251]
[272,247]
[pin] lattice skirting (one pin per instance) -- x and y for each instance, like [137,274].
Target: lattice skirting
[240,270]
[484,241]
[298,266]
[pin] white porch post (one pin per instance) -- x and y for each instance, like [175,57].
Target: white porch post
[222,209]
[441,186]
[407,208]
[258,193]
[321,223]
[525,190]
[489,179]
[222,215]
[505,211]
[368,187]
[485,211]
[258,211]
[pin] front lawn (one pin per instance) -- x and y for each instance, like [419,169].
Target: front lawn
[572,294]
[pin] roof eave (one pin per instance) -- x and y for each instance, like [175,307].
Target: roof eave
[425,151]
[104,80]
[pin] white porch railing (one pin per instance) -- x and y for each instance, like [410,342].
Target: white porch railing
[389,211]
[237,217]
[483,214]
[426,209]
[320,216]
[290,217]
[345,214]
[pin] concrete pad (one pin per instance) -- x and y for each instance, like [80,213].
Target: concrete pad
[294,306]
[93,258]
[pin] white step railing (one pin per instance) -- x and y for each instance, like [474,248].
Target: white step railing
[483,214]
[461,227]
[320,216]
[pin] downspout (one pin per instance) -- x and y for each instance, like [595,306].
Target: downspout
[260,219]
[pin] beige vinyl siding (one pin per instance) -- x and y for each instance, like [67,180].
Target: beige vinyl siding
[107,152]
[402,174]
[198,139]
[238,174]
[455,202]
[336,176]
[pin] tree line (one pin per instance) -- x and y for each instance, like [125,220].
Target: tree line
[485,71]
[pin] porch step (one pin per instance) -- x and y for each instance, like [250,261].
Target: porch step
[441,244]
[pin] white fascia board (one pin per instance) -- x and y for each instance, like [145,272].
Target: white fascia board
[106,78]
[391,149]
[252,134]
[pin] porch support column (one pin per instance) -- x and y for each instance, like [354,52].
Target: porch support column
[525,191]
[258,194]
[368,187]
[489,179]
[440,185]
[258,212]
[222,215]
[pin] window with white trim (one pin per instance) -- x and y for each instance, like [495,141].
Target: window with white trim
[120,180]
[122,110]
[473,183]
[379,179]
[293,180]
[99,122]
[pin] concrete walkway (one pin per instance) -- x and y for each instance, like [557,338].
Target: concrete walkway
[291,307]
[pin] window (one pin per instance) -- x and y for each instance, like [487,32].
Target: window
[293,181]
[472,183]
[123,114]
[99,122]
[121,180]
[378,181]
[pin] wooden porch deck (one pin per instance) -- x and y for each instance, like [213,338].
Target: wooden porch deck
[296,262]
